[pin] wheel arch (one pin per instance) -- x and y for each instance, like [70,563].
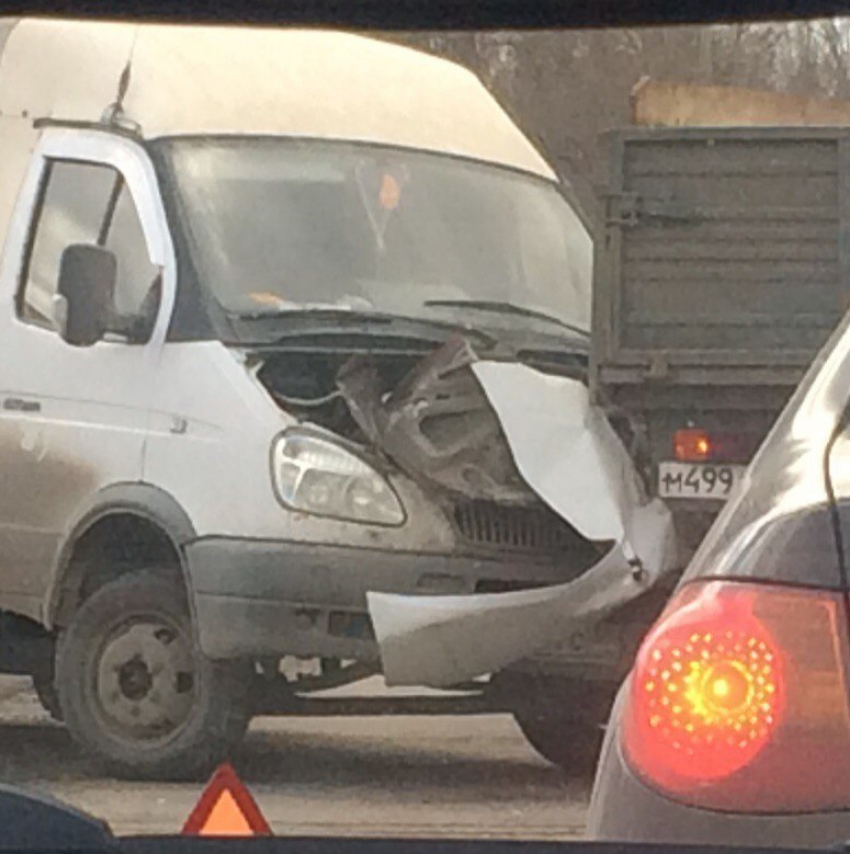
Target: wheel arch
[148,510]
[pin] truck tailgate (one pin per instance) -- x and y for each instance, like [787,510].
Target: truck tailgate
[725,254]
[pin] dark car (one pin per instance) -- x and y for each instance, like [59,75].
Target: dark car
[734,724]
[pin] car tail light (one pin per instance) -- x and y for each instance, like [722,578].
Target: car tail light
[738,700]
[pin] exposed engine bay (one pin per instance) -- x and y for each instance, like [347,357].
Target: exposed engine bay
[420,406]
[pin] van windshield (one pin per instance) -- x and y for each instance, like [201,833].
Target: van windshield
[276,225]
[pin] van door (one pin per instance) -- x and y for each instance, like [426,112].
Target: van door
[73,419]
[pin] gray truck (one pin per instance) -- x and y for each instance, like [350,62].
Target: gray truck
[721,266]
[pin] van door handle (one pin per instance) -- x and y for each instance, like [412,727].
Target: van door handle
[18,404]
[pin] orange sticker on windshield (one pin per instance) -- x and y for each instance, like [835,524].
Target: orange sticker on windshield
[390,194]
[267,298]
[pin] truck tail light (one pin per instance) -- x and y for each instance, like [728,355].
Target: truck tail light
[695,445]
[692,446]
[738,700]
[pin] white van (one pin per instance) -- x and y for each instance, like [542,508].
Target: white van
[245,277]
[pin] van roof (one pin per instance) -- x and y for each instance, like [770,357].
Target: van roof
[240,80]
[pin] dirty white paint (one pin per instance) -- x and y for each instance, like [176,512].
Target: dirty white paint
[568,453]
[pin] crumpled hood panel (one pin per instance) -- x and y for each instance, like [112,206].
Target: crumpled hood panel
[565,449]
[568,454]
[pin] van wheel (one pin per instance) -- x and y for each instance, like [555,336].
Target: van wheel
[44,683]
[571,744]
[561,718]
[136,692]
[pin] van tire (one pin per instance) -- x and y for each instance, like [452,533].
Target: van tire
[561,717]
[571,744]
[44,684]
[136,692]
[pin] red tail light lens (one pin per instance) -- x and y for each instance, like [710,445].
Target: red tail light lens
[738,700]
[695,445]
[692,446]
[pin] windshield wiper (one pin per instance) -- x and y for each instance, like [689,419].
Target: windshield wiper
[313,309]
[506,308]
[358,318]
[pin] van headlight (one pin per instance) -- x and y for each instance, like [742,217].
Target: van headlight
[316,475]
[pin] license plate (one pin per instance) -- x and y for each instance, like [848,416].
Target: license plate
[698,480]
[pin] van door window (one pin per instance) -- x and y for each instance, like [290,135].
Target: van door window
[88,203]
[138,286]
[74,199]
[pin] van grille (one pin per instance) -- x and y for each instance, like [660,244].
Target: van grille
[527,529]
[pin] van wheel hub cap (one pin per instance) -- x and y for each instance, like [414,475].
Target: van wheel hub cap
[146,678]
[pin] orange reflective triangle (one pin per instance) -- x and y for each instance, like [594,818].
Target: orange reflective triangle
[226,808]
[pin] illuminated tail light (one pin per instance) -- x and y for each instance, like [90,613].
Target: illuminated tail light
[738,700]
[694,445]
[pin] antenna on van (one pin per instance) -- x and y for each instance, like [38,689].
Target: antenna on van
[114,113]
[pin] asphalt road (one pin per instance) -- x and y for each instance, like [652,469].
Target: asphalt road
[453,777]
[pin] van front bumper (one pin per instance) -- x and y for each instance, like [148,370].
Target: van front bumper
[260,598]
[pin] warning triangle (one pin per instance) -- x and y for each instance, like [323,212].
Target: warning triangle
[226,808]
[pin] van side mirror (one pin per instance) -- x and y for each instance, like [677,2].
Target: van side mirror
[84,294]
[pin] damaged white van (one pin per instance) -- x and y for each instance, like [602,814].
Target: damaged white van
[293,334]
